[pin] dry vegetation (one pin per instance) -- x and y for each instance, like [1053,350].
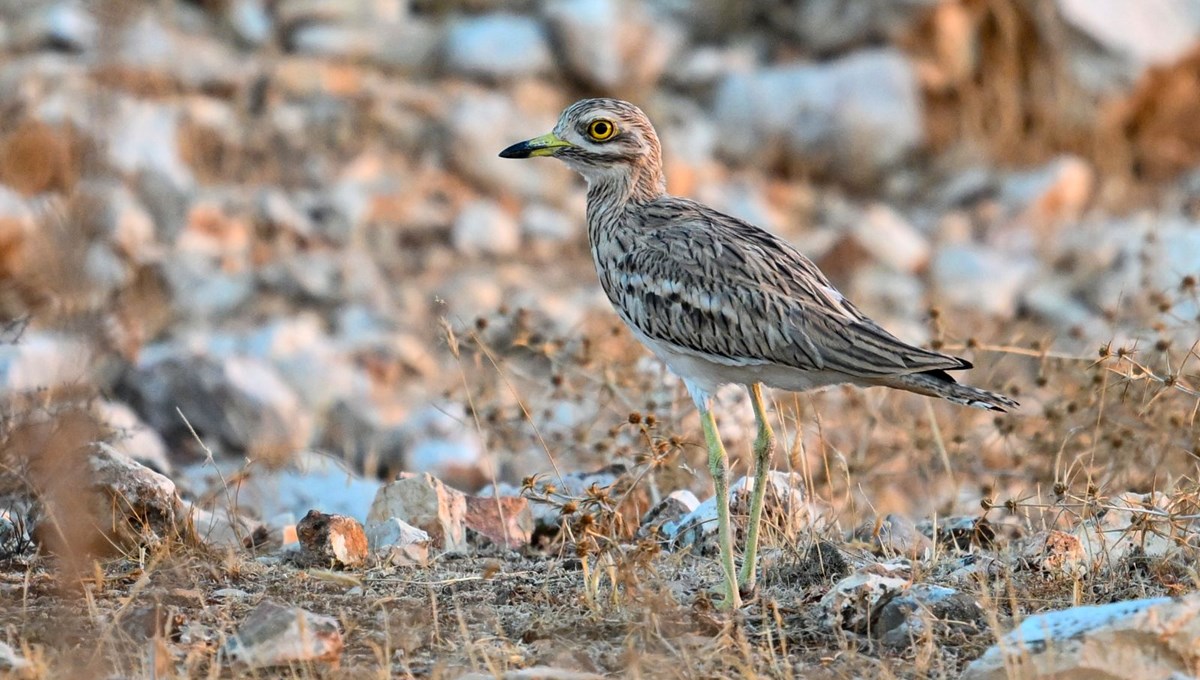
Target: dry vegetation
[594,596]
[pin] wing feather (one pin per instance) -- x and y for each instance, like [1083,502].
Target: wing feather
[716,285]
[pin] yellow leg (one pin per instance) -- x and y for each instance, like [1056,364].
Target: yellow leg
[718,465]
[764,446]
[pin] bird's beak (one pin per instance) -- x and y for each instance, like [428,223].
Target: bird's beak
[546,145]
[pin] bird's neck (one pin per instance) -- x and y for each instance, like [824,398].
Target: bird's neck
[610,193]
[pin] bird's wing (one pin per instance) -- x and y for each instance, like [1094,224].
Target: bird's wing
[716,285]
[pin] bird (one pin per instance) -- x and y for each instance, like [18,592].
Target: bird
[722,301]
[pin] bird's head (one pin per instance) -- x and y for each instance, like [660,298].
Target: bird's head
[604,140]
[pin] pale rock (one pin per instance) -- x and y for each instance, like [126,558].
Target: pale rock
[535,673]
[497,46]
[195,62]
[238,402]
[43,359]
[13,663]
[14,208]
[306,275]
[398,543]
[145,138]
[1150,639]
[967,186]
[894,299]
[426,503]
[1056,553]
[443,440]
[785,507]
[274,634]
[229,594]
[310,361]
[135,505]
[411,46]
[365,435]
[664,518]
[66,24]
[852,117]
[1132,523]
[349,12]
[921,609]
[250,21]
[12,537]
[703,66]
[484,228]
[275,208]
[479,120]
[166,202]
[1132,38]
[541,222]
[895,534]
[131,437]
[1053,300]
[1177,253]
[834,26]
[973,277]
[504,521]
[308,480]
[854,602]
[612,44]
[331,540]
[890,238]
[121,217]
[222,527]
[1050,196]
[104,270]
[745,200]
[969,570]
[202,290]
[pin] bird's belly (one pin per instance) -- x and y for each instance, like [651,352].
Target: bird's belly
[710,372]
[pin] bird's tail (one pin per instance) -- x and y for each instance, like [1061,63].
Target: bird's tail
[941,385]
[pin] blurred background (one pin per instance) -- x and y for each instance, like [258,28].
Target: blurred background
[259,229]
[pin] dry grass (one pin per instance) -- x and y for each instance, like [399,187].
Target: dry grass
[595,598]
[1096,424]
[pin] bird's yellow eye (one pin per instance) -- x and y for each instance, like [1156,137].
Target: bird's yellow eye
[601,129]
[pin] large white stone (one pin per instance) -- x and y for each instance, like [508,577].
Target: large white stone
[426,503]
[852,117]
[484,228]
[612,44]
[1151,639]
[497,46]
[478,121]
[274,634]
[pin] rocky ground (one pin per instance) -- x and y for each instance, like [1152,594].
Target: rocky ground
[297,377]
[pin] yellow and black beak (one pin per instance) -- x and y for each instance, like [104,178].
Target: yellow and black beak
[546,145]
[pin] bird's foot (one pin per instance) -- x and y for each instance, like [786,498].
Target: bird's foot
[726,597]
